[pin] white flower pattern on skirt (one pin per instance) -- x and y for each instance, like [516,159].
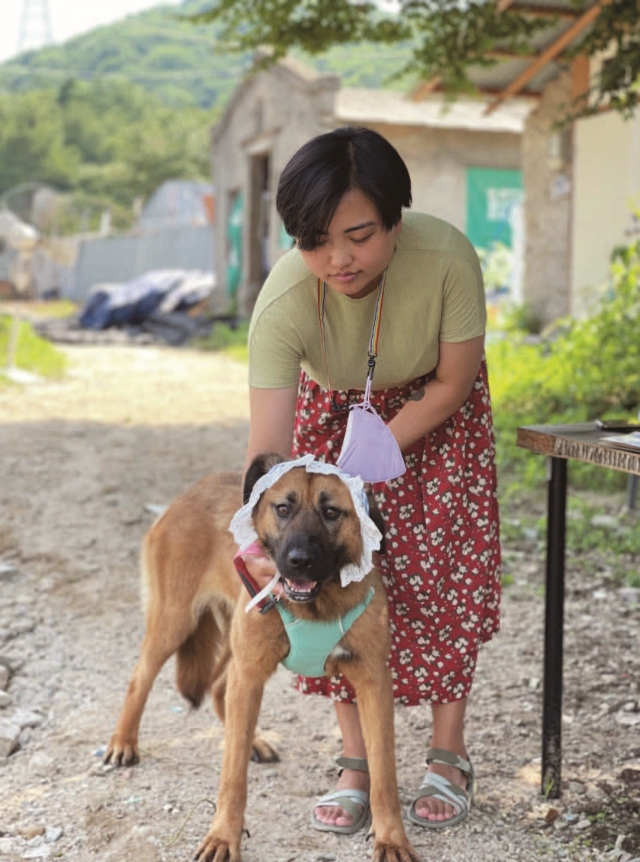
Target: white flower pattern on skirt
[441,567]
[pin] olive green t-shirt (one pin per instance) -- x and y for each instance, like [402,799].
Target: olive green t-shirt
[433,293]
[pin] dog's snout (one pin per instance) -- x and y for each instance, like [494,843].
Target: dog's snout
[300,559]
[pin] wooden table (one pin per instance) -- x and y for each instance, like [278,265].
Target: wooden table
[561,443]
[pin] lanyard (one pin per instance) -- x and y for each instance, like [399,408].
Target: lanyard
[372,350]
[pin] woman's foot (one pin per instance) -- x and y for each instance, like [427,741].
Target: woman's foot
[336,815]
[431,808]
[445,795]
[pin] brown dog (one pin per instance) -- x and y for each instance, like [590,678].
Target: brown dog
[195,607]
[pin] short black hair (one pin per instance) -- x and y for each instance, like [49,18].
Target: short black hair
[320,173]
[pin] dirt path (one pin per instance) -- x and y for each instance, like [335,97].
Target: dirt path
[83,463]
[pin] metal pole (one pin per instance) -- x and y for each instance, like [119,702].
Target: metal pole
[553,630]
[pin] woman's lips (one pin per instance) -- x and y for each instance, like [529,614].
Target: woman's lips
[345,277]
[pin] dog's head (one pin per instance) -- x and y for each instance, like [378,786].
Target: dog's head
[309,526]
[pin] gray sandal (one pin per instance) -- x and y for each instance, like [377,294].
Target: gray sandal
[441,788]
[354,802]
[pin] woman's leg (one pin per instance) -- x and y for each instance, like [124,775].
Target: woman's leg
[447,733]
[352,779]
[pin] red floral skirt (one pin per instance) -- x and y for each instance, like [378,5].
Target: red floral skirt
[441,566]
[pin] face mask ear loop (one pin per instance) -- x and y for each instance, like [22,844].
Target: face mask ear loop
[262,594]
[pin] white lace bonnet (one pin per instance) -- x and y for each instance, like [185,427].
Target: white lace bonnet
[244,532]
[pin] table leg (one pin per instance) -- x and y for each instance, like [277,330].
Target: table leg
[553,630]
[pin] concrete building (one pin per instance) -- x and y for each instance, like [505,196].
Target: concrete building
[447,147]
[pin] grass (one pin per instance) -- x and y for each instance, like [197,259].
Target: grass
[32,353]
[230,340]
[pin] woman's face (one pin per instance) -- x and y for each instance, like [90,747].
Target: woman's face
[353,253]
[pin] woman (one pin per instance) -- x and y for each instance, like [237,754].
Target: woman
[342,197]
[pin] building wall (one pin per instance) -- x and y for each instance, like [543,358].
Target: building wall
[547,179]
[607,189]
[437,160]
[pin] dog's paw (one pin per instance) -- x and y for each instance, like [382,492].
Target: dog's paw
[263,752]
[215,848]
[394,852]
[121,753]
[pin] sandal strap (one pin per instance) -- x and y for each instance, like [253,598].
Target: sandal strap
[441,788]
[448,758]
[347,799]
[358,763]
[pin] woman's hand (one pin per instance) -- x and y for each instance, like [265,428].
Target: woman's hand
[263,571]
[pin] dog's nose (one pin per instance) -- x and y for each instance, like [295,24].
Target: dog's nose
[299,559]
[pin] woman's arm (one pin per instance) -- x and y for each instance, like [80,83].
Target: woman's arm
[272,414]
[455,374]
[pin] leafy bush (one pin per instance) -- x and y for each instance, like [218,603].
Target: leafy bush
[583,370]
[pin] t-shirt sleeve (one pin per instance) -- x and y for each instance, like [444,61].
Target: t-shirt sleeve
[464,309]
[275,351]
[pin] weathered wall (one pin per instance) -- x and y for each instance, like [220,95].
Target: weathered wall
[548,185]
[437,160]
[607,189]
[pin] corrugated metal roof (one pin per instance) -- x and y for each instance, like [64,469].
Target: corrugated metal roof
[500,75]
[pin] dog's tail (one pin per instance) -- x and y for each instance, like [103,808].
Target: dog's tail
[196,659]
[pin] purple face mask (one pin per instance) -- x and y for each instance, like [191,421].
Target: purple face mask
[369,449]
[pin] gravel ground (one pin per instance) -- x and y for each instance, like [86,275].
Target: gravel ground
[84,464]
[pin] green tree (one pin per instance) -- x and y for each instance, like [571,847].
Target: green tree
[32,142]
[447,36]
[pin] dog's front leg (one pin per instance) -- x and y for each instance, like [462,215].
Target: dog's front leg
[375,706]
[243,699]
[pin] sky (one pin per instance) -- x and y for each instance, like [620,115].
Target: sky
[68,17]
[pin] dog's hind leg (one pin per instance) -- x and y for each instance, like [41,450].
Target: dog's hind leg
[162,639]
[262,751]
[195,671]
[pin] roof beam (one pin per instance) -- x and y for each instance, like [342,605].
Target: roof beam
[538,11]
[425,88]
[547,55]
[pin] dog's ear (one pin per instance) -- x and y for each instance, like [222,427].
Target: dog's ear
[376,517]
[260,465]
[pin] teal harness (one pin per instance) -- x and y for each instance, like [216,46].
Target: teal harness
[311,642]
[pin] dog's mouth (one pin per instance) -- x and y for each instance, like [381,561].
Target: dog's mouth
[301,591]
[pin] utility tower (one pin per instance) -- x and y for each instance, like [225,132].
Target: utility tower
[35,25]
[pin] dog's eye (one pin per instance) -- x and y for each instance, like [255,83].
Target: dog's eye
[282,509]
[331,513]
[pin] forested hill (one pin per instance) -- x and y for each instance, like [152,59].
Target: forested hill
[176,60]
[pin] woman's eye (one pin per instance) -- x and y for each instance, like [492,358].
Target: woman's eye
[359,240]
[331,514]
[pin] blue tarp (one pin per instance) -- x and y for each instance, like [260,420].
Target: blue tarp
[159,291]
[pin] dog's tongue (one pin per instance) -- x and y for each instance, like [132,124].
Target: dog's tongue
[301,586]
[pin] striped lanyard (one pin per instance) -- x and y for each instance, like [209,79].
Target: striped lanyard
[372,350]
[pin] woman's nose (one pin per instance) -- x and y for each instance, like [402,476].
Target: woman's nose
[341,256]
